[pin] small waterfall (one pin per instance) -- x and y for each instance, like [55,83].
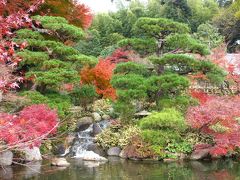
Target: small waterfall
[84,139]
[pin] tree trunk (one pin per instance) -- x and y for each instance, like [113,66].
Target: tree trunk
[160,44]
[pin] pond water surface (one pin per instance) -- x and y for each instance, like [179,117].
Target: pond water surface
[119,169]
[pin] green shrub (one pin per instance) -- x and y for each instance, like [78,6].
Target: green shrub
[160,138]
[181,103]
[83,95]
[54,100]
[166,119]
[115,136]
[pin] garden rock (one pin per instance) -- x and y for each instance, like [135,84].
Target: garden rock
[142,114]
[84,122]
[6,158]
[33,154]
[96,149]
[200,154]
[91,156]
[96,117]
[61,162]
[114,151]
[60,149]
[106,117]
[96,129]
[123,155]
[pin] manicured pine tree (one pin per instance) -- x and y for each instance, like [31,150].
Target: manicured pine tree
[173,61]
[49,59]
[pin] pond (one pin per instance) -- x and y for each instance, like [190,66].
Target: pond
[119,169]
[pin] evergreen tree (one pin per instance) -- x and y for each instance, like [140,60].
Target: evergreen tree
[49,60]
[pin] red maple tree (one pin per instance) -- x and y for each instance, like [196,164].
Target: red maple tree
[75,12]
[13,16]
[29,127]
[231,65]
[102,73]
[218,117]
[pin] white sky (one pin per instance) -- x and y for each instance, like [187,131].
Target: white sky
[101,5]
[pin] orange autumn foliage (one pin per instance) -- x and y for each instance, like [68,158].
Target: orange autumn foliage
[100,76]
[76,13]
[102,73]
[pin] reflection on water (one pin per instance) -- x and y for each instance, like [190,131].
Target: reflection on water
[119,169]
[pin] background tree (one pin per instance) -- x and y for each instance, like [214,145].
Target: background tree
[76,13]
[209,35]
[228,22]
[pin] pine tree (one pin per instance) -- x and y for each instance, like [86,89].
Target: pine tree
[49,59]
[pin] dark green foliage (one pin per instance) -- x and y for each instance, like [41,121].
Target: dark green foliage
[185,64]
[91,45]
[48,60]
[125,110]
[176,10]
[178,63]
[142,46]
[29,34]
[54,100]
[33,58]
[83,95]
[131,68]
[81,60]
[60,27]
[181,102]
[107,51]
[167,85]
[213,72]
[185,43]
[130,88]
[209,35]
[54,78]
[159,27]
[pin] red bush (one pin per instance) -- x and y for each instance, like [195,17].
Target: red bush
[219,118]
[29,128]
[200,96]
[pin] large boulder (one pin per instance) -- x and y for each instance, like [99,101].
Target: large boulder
[96,149]
[84,122]
[61,162]
[114,151]
[96,117]
[6,158]
[32,154]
